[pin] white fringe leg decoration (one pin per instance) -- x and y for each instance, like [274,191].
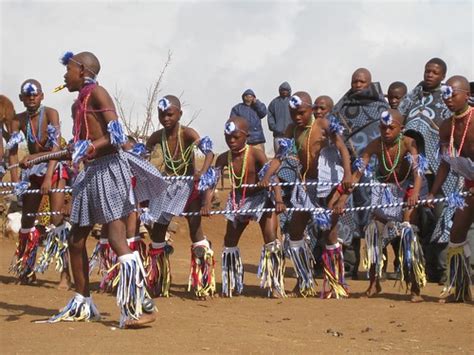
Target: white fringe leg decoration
[202,277]
[131,290]
[271,269]
[303,262]
[232,272]
[56,248]
[458,272]
[411,257]
[79,308]
[374,249]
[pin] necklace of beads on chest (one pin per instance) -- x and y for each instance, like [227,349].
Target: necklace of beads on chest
[452,149]
[391,167]
[236,181]
[30,129]
[307,133]
[183,162]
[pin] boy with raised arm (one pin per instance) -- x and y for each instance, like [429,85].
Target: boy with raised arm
[103,194]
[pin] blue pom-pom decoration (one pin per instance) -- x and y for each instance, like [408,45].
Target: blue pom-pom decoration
[66,57]
[80,150]
[334,126]
[208,180]
[446,92]
[117,136]
[205,145]
[15,139]
[456,201]
[323,220]
[285,146]
[20,188]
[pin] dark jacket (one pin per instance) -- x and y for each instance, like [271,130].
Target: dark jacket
[279,113]
[253,114]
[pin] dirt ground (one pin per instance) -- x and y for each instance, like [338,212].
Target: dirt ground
[246,324]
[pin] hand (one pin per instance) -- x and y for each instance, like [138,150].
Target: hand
[25,162]
[206,210]
[197,175]
[45,186]
[338,204]
[347,183]
[430,197]
[280,207]
[254,100]
[265,182]
[412,200]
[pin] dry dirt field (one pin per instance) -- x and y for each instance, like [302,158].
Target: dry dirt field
[246,324]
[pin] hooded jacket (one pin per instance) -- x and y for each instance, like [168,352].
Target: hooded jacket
[253,114]
[279,113]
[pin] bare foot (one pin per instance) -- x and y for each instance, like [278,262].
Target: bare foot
[416,298]
[374,289]
[28,280]
[65,281]
[138,323]
[276,294]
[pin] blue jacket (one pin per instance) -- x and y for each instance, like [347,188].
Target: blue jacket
[254,115]
[279,116]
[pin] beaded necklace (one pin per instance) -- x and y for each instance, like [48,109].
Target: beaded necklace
[233,177]
[393,165]
[30,129]
[307,132]
[452,149]
[183,162]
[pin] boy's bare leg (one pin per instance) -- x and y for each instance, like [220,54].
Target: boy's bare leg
[374,285]
[79,260]
[194,222]
[57,204]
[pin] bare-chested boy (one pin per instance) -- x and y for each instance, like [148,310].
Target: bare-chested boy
[103,194]
[246,164]
[178,143]
[457,152]
[41,127]
[402,169]
[309,138]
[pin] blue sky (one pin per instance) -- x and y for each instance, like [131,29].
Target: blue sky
[221,48]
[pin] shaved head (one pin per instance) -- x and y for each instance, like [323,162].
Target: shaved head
[31,81]
[364,72]
[240,122]
[174,101]
[361,79]
[89,61]
[397,116]
[326,99]
[459,82]
[305,97]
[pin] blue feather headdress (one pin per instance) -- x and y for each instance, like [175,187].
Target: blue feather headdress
[164,104]
[66,57]
[30,89]
[446,91]
[386,118]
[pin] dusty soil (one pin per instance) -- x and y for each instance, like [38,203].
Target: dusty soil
[250,323]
